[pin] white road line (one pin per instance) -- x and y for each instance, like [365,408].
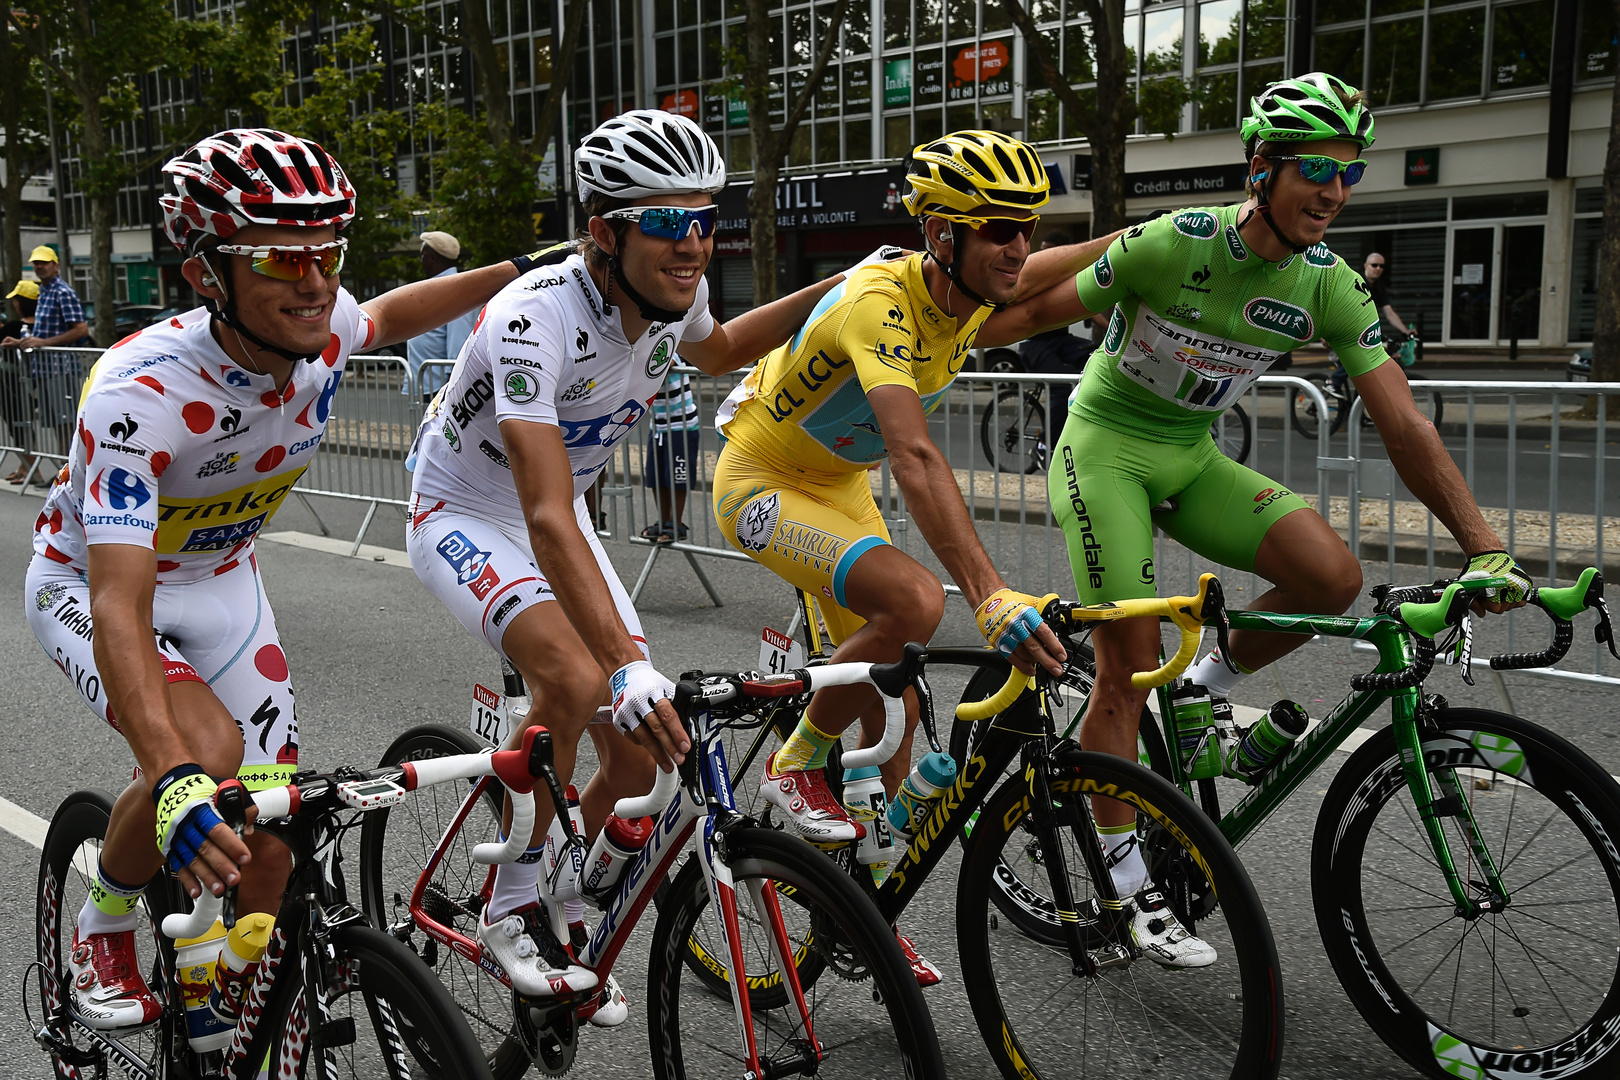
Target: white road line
[22,824]
[335,546]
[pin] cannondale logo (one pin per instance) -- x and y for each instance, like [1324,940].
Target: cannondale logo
[519,325]
[124,429]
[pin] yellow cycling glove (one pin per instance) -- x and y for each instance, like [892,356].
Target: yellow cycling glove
[1007,618]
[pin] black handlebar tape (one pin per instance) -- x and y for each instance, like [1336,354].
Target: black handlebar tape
[893,678]
[1563,637]
[1399,680]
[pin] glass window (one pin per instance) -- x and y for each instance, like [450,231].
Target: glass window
[928,77]
[858,140]
[1336,11]
[1520,204]
[1218,105]
[858,30]
[1589,200]
[1600,43]
[664,61]
[930,18]
[1256,77]
[1160,105]
[961,24]
[857,80]
[962,116]
[897,136]
[739,153]
[896,23]
[929,125]
[1218,26]
[826,103]
[1583,278]
[1043,11]
[993,18]
[1267,30]
[1041,117]
[1397,62]
[1340,53]
[799,148]
[689,13]
[1521,45]
[1079,56]
[1459,38]
[827,148]
[799,36]
[1395,7]
[1133,38]
[686,55]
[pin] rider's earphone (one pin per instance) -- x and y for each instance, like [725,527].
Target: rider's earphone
[945,234]
[209,280]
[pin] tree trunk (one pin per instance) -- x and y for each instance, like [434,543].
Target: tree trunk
[562,69]
[492,80]
[17,173]
[1606,333]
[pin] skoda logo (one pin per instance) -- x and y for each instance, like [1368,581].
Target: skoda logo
[662,355]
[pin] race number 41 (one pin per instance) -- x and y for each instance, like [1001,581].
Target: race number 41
[488,715]
[779,653]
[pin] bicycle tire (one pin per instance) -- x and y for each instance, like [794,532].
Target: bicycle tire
[697,1034]
[1302,409]
[1012,431]
[1551,817]
[1039,1020]
[394,846]
[414,1022]
[1236,438]
[67,868]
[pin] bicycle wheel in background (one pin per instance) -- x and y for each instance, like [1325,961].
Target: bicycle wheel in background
[1532,989]
[395,845]
[67,869]
[1302,409]
[868,1014]
[1013,431]
[1041,1021]
[1232,433]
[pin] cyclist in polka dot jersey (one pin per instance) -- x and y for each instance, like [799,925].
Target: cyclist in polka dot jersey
[144,588]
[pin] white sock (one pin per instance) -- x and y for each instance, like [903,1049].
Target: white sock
[574,910]
[1130,872]
[517,884]
[1213,673]
[92,920]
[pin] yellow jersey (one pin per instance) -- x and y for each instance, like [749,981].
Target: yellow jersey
[805,404]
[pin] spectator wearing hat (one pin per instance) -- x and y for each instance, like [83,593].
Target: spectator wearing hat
[16,403]
[58,320]
[440,252]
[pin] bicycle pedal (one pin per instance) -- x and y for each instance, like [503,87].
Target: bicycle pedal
[334,1033]
[1111,956]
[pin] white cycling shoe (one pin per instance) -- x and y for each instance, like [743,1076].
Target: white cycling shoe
[1160,935]
[534,960]
[808,804]
[614,1009]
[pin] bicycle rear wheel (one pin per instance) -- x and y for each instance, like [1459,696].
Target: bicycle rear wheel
[1530,990]
[867,1013]
[396,844]
[1302,409]
[1041,1021]
[1013,431]
[1232,433]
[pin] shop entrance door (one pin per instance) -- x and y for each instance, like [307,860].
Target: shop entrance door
[1470,312]
[1494,297]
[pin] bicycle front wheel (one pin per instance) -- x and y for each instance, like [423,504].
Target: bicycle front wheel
[1532,989]
[395,846]
[1013,431]
[1040,1020]
[867,1014]
[1302,410]
[1232,434]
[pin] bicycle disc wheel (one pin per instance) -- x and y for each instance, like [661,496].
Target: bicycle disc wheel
[867,1013]
[67,869]
[1013,432]
[1232,434]
[1530,990]
[396,844]
[1041,1021]
[384,1014]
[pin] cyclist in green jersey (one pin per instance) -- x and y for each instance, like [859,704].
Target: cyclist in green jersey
[1204,301]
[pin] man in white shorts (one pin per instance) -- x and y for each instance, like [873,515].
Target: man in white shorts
[563,364]
[143,587]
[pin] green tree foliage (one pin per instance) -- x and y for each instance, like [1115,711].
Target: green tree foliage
[27,152]
[482,193]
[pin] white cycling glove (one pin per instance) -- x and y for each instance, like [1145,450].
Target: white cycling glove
[637,687]
[884,253]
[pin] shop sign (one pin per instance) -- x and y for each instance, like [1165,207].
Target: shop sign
[985,69]
[1423,166]
[857,87]
[928,76]
[897,81]
[736,113]
[682,103]
[838,200]
[1211,180]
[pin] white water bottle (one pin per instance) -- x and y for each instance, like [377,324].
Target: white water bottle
[866,802]
[564,863]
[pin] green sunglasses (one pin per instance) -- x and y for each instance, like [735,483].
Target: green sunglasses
[1321,169]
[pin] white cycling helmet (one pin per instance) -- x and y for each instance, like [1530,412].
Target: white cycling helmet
[647,152]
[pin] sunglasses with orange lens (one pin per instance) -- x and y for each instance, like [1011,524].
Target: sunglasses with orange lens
[291,263]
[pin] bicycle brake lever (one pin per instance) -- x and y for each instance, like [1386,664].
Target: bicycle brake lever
[230,801]
[1604,630]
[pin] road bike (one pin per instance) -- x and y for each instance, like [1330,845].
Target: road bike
[765,901]
[1465,867]
[332,997]
[1079,999]
[1013,431]
[1340,393]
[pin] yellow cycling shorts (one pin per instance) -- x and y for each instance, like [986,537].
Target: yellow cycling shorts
[807,528]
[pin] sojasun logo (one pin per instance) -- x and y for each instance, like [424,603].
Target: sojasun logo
[1278,317]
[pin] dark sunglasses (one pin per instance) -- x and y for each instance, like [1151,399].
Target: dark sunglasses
[1000,231]
[671,222]
[1321,169]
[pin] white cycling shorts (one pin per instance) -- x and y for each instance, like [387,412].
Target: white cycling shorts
[484,570]
[219,631]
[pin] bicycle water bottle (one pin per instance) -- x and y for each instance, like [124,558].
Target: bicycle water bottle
[564,864]
[617,845]
[866,802]
[1196,736]
[917,795]
[194,960]
[1267,741]
[238,963]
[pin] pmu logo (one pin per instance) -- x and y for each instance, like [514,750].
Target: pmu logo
[519,325]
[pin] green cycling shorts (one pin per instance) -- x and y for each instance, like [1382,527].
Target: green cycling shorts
[1105,485]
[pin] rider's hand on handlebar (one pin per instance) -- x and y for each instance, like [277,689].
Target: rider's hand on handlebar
[202,850]
[1500,564]
[1011,622]
[641,709]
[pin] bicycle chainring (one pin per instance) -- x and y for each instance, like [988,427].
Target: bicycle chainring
[550,1034]
[835,952]
[1174,871]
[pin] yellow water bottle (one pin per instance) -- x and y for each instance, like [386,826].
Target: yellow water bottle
[238,964]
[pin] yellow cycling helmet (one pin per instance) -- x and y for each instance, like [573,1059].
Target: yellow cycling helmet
[957,176]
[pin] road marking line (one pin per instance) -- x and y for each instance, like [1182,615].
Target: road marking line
[333,545]
[22,824]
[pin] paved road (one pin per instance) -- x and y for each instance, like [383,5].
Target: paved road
[372,653]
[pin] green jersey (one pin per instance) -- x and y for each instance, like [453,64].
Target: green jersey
[1198,317]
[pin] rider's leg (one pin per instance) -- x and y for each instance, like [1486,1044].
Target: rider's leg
[624,770]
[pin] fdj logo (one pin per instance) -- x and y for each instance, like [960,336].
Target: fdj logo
[1264,313]
[662,356]
[463,556]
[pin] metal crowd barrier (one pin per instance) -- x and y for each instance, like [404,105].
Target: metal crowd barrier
[39,398]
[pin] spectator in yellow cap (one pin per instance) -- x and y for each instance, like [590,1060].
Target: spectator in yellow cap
[16,403]
[58,320]
[440,253]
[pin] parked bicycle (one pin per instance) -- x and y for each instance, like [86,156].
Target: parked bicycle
[1465,867]
[1013,430]
[331,997]
[1340,394]
[779,906]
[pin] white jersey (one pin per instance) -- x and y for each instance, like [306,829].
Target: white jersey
[181,450]
[543,351]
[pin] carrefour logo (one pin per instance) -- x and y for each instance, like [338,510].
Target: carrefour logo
[1198,224]
[126,491]
[1278,317]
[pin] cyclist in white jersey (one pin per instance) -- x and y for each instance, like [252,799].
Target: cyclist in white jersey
[143,587]
[562,365]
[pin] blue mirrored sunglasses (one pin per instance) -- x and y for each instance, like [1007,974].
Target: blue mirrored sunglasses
[1321,169]
[671,222]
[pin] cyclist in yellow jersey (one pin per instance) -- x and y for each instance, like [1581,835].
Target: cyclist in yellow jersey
[856,385]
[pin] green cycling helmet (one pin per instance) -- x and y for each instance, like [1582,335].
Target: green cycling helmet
[1310,108]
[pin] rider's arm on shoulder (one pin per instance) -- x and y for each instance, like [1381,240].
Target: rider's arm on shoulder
[413,309]
[1054,266]
[545,486]
[752,334]
[1058,306]
[123,578]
